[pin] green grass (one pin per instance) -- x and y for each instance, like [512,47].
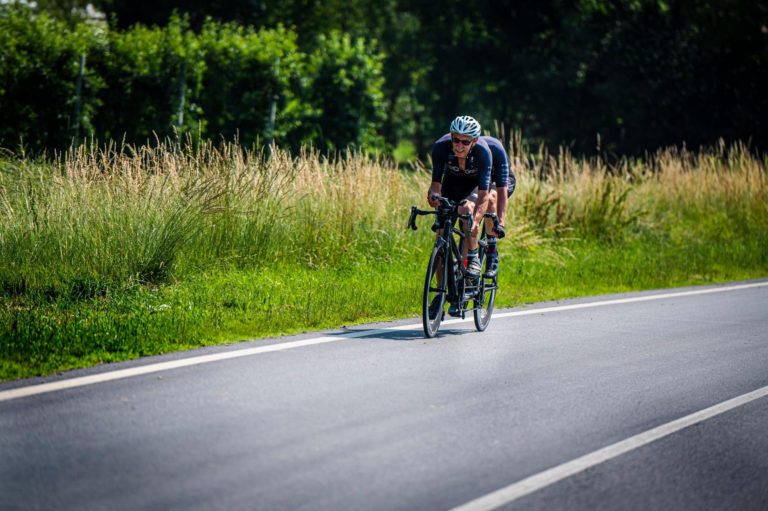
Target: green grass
[120,253]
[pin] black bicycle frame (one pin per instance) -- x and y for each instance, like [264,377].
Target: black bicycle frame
[447,215]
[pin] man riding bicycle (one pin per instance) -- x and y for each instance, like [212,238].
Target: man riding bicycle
[503,179]
[502,185]
[461,164]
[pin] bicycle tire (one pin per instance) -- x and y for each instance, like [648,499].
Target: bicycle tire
[432,291]
[486,297]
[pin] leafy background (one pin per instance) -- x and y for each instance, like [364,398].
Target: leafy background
[617,78]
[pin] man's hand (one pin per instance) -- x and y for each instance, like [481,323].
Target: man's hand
[433,194]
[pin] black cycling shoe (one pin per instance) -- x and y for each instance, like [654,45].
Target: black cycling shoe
[492,265]
[454,311]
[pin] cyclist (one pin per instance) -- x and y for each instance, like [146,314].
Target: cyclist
[461,164]
[503,179]
[503,184]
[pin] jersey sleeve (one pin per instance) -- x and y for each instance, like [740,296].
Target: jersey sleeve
[485,160]
[502,172]
[439,157]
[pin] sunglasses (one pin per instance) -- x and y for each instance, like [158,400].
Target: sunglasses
[456,140]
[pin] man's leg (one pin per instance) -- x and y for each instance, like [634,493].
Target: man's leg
[492,256]
[467,207]
[469,250]
[470,247]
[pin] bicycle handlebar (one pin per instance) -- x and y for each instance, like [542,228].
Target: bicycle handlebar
[412,219]
[445,208]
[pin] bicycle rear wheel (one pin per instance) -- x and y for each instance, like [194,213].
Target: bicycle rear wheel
[486,296]
[435,286]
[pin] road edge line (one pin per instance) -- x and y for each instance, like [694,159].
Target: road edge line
[536,482]
[80,381]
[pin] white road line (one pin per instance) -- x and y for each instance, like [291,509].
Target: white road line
[553,475]
[636,299]
[43,388]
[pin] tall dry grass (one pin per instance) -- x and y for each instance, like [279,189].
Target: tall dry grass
[712,193]
[101,217]
[95,218]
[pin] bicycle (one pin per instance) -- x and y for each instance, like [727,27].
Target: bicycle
[456,286]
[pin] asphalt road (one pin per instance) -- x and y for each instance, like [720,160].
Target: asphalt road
[393,421]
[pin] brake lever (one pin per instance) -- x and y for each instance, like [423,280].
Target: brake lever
[412,219]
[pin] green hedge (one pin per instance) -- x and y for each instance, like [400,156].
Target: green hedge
[149,82]
[39,66]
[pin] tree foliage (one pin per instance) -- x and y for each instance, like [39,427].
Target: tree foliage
[635,74]
[345,97]
[150,82]
[39,65]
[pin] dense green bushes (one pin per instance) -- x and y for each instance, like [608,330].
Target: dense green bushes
[222,81]
[613,78]
[601,77]
[39,62]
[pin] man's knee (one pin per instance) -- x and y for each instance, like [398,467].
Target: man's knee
[492,196]
[467,207]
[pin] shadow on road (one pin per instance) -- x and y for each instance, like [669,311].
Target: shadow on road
[400,335]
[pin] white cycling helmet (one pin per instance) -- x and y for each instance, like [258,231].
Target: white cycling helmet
[466,125]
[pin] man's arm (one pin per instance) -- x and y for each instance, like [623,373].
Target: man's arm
[438,163]
[483,185]
[482,207]
[434,190]
[501,203]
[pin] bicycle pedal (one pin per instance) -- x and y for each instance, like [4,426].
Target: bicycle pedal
[456,312]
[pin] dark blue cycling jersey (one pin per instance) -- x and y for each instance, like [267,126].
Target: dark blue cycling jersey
[459,184]
[501,173]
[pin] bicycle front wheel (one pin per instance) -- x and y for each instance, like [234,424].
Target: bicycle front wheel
[435,286]
[486,296]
